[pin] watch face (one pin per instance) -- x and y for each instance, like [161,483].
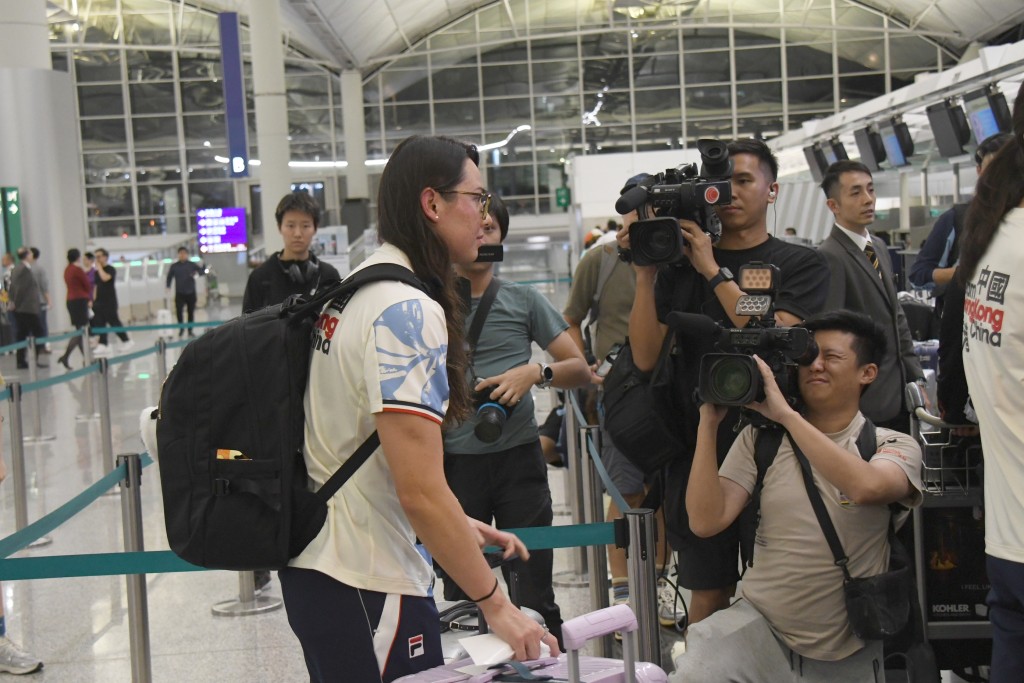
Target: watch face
[549,374]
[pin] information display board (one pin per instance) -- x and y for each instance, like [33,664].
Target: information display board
[221,230]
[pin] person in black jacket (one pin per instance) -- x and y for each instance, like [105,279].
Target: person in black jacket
[293,270]
[184,273]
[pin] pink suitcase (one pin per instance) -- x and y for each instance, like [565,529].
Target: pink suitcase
[569,666]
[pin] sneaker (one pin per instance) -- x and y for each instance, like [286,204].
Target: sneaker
[127,346]
[101,350]
[14,660]
[669,602]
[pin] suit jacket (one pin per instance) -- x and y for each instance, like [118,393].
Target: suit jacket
[854,284]
[24,290]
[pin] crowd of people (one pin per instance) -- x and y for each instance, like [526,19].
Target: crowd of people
[444,375]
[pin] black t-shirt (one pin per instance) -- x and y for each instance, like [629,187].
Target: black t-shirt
[802,291]
[106,294]
[272,283]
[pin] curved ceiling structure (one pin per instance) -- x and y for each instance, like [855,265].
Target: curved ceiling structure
[364,34]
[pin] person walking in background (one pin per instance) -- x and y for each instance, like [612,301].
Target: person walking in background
[7,269]
[104,303]
[78,301]
[184,273]
[43,281]
[24,301]
[991,250]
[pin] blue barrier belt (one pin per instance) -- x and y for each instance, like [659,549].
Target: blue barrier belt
[133,355]
[5,394]
[58,337]
[179,343]
[14,347]
[29,387]
[598,465]
[46,524]
[166,562]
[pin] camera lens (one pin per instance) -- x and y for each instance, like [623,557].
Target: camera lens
[491,422]
[731,379]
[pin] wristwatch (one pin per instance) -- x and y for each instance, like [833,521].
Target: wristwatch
[723,275]
[547,376]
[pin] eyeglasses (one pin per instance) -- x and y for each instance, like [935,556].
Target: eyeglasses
[482,198]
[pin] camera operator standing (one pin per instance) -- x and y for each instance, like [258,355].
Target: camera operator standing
[493,460]
[702,282]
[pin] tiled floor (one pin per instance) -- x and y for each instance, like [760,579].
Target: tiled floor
[79,626]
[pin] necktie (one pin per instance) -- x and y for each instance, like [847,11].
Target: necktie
[869,249]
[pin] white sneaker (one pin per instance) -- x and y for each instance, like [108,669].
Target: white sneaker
[669,613]
[101,350]
[14,660]
[127,346]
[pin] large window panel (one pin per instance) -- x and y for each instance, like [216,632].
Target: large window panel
[758,64]
[104,167]
[719,128]
[199,65]
[552,110]
[662,103]
[706,67]
[810,94]
[198,28]
[556,78]
[510,180]
[854,90]
[307,90]
[863,55]
[212,195]
[202,96]
[310,151]
[109,201]
[200,128]
[809,60]
[103,134]
[562,49]
[405,86]
[456,115]
[409,117]
[150,65]
[506,79]
[164,224]
[100,100]
[695,39]
[98,66]
[612,72]
[760,126]
[155,200]
[502,115]
[117,227]
[154,132]
[755,98]
[658,136]
[151,28]
[456,83]
[151,98]
[157,166]
[614,108]
[708,99]
[102,29]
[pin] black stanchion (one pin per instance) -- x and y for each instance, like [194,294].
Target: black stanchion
[18,466]
[138,602]
[33,372]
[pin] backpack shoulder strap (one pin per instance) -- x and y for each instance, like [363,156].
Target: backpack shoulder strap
[375,273]
[608,261]
[766,446]
[867,440]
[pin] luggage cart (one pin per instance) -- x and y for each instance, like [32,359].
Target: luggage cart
[949,542]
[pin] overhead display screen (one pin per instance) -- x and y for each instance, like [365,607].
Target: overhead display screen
[221,230]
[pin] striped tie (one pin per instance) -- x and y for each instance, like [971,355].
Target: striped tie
[869,249]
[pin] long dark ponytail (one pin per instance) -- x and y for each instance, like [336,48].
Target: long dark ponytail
[999,189]
[419,162]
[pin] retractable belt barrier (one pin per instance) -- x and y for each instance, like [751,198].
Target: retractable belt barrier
[136,562]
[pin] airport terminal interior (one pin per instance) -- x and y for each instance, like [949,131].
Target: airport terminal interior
[142,126]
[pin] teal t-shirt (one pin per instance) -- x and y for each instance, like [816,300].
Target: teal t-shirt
[519,316]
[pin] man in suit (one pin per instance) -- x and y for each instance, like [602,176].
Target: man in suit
[861,280]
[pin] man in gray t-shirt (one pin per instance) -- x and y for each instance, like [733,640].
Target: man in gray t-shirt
[493,460]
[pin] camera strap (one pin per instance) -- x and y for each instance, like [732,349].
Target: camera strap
[482,309]
[866,444]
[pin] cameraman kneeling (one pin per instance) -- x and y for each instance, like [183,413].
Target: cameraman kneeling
[792,623]
[493,461]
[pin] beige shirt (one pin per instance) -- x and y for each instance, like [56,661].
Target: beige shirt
[794,582]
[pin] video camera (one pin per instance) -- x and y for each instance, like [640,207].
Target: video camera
[730,376]
[678,193]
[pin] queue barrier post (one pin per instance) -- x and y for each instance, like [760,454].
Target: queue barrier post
[138,602]
[106,438]
[641,553]
[18,465]
[90,400]
[248,602]
[577,576]
[37,435]
[597,557]
[161,358]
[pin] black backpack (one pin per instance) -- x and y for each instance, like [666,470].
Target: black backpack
[230,434]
